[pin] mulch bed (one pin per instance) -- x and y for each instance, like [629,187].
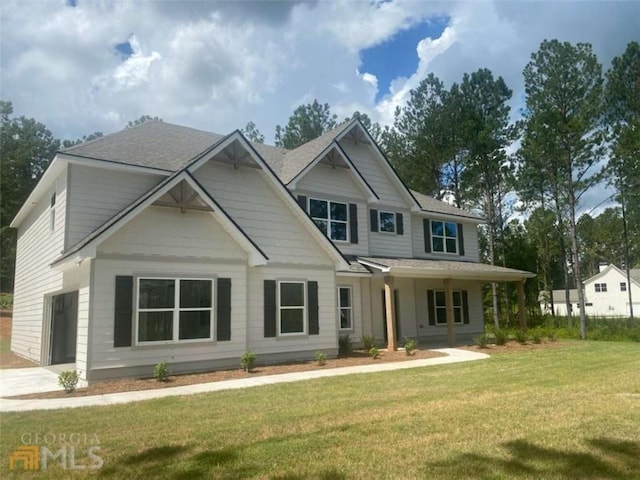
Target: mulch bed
[514,347]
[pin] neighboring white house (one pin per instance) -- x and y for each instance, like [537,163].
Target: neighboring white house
[606,294]
[162,242]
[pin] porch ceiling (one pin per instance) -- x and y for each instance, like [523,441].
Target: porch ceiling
[422,268]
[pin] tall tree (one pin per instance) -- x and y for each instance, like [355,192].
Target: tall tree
[307,122]
[26,148]
[374,128]
[141,120]
[623,115]
[563,84]
[252,133]
[486,132]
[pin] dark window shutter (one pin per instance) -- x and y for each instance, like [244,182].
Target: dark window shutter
[270,308]
[374,220]
[465,306]
[223,309]
[353,223]
[123,312]
[426,226]
[312,307]
[399,224]
[460,240]
[302,201]
[431,307]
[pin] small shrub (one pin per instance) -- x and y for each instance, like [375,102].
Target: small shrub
[553,335]
[320,357]
[345,344]
[161,372]
[368,341]
[374,352]
[409,345]
[536,336]
[481,340]
[247,360]
[68,380]
[521,336]
[6,301]
[502,337]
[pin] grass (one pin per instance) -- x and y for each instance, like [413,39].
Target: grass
[566,412]
[6,301]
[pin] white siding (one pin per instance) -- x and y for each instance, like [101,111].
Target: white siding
[613,302]
[167,232]
[97,194]
[357,329]
[104,355]
[248,198]
[37,247]
[384,244]
[371,168]
[332,181]
[470,234]
[327,314]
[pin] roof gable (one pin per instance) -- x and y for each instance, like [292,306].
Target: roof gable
[634,274]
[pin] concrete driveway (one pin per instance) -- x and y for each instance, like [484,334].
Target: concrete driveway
[22,381]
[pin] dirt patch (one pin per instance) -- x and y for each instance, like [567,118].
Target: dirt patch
[358,357]
[513,347]
[8,359]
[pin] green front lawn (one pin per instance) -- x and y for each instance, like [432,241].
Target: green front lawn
[569,411]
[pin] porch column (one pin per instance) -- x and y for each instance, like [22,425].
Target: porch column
[522,310]
[448,301]
[389,301]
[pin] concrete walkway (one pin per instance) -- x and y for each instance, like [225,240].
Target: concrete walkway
[453,356]
[22,381]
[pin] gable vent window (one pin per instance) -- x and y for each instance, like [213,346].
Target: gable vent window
[331,217]
[600,287]
[52,213]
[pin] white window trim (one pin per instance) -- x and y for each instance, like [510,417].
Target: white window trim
[436,307]
[329,220]
[395,220]
[350,307]
[444,238]
[304,309]
[600,287]
[176,312]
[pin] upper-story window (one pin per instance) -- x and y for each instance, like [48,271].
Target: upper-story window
[331,217]
[444,236]
[623,286]
[52,213]
[387,222]
[600,287]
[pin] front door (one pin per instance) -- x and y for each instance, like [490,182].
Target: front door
[64,328]
[395,314]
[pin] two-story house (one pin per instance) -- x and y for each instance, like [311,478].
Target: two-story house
[162,242]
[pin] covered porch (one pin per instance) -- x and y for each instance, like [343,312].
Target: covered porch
[439,299]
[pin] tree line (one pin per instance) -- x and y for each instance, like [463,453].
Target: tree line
[580,127]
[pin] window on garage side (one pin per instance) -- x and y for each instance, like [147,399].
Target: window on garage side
[345,308]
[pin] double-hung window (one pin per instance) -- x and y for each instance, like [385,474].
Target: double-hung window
[331,217]
[600,287]
[444,237]
[441,309]
[345,308]
[387,222]
[291,297]
[623,286]
[174,310]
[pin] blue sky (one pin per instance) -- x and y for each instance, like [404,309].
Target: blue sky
[81,66]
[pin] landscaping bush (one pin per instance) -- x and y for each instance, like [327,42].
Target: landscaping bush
[247,360]
[502,337]
[68,380]
[536,336]
[521,336]
[320,358]
[481,340]
[345,344]
[374,352]
[409,345]
[368,341]
[161,372]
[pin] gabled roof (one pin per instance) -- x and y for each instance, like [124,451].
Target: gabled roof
[430,204]
[633,273]
[89,244]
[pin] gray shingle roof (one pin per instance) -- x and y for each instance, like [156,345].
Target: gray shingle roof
[635,274]
[161,145]
[297,159]
[430,204]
